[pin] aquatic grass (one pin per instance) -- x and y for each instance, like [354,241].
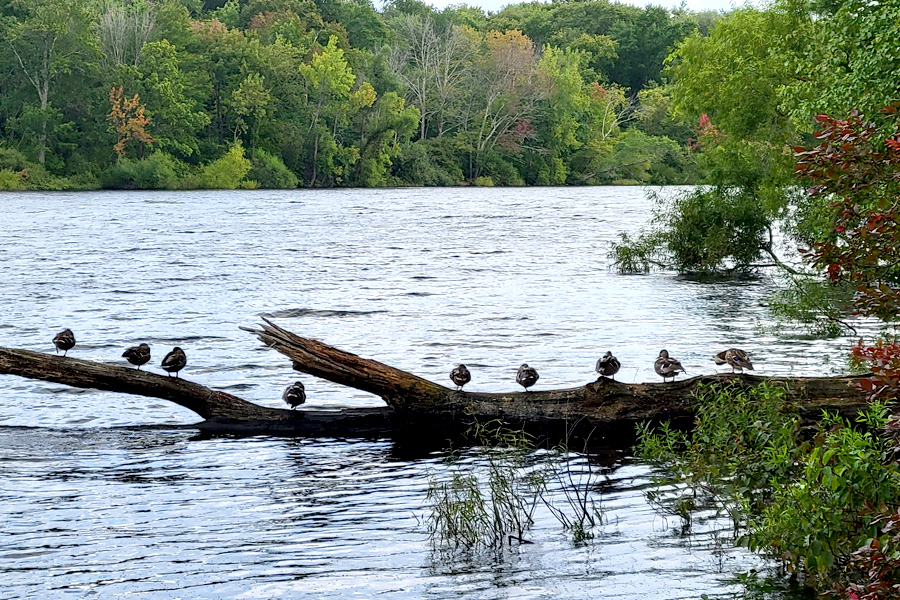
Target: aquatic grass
[490,506]
[579,513]
[458,515]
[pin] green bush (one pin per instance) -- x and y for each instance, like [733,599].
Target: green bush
[500,170]
[816,522]
[226,173]
[742,440]
[156,172]
[13,160]
[429,163]
[269,172]
[10,180]
[705,230]
[32,175]
[809,499]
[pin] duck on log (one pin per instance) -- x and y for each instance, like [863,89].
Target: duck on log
[414,400]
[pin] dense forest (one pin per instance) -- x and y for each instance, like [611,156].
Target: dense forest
[286,93]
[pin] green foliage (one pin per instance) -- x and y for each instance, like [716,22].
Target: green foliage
[818,305]
[269,172]
[383,121]
[639,158]
[10,180]
[508,96]
[497,169]
[492,506]
[734,75]
[470,511]
[28,175]
[175,115]
[705,230]
[458,514]
[849,60]
[655,114]
[364,26]
[805,499]
[305,9]
[820,518]
[159,171]
[226,173]
[743,442]
[427,162]
[13,160]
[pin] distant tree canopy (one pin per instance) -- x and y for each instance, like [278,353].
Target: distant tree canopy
[337,93]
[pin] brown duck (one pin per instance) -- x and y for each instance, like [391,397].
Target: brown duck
[174,361]
[64,340]
[460,376]
[295,394]
[735,358]
[137,355]
[608,365]
[527,376]
[667,367]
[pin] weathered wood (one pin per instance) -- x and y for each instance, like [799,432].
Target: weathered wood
[202,400]
[601,401]
[417,405]
[222,412]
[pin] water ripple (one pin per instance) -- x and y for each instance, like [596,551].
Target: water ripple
[93,504]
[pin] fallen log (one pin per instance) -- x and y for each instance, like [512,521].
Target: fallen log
[601,401]
[221,412]
[416,405]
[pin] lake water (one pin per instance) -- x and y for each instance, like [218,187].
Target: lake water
[95,504]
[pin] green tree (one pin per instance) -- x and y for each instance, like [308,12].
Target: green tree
[225,173]
[729,83]
[563,110]
[384,123]
[177,116]
[48,39]
[850,59]
[329,79]
[252,103]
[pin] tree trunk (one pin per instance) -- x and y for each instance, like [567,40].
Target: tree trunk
[415,404]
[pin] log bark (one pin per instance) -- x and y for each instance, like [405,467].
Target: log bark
[415,405]
[222,412]
[601,401]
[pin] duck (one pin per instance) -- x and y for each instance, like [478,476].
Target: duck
[174,361]
[608,365]
[734,358]
[667,367]
[460,376]
[137,355]
[294,395]
[527,376]
[64,340]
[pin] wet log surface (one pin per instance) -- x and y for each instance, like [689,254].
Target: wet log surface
[601,401]
[417,406]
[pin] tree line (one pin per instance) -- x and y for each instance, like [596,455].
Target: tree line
[286,93]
